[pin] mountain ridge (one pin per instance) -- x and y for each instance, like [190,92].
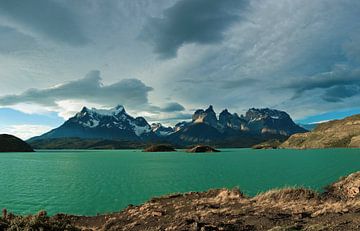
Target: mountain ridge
[227,129]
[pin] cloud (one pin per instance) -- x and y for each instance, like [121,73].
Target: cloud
[338,93]
[341,82]
[173,107]
[45,17]
[129,92]
[12,40]
[191,21]
[25,131]
[234,84]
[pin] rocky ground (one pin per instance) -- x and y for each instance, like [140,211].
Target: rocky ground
[338,208]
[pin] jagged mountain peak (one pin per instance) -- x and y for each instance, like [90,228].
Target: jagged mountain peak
[224,112]
[210,109]
[161,130]
[208,116]
[102,112]
[262,113]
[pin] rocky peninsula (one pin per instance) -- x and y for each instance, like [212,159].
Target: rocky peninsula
[337,208]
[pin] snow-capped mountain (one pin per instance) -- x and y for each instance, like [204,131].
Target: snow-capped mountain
[114,123]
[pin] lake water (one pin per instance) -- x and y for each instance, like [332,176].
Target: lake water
[90,182]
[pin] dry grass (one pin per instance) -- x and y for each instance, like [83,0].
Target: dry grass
[287,194]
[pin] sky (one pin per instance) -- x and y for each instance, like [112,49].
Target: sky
[162,59]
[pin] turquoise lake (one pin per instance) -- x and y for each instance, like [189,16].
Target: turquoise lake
[90,182]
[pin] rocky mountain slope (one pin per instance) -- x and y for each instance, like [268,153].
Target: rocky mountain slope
[160,130]
[219,209]
[334,134]
[226,130]
[9,143]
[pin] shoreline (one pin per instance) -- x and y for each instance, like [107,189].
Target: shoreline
[337,208]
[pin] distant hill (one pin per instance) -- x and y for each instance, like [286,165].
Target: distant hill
[9,143]
[308,127]
[114,128]
[332,134]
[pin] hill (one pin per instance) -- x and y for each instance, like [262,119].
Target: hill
[343,133]
[9,143]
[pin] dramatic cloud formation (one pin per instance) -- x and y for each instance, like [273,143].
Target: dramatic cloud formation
[301,56]
[131,92]
[189,21]
[46,17]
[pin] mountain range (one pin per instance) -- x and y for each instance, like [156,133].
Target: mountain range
[115,128]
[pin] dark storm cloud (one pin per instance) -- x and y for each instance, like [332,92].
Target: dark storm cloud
[173,107]
[130,92]
[338,93]
[191,21]
[338,84]
[170,107]
[45,17]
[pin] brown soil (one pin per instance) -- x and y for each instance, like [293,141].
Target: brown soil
[338,208]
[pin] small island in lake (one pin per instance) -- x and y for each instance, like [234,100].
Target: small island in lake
[202,148]
[10,143]
[270,144]
[160,148]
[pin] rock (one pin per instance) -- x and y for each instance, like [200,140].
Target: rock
[9,143]
[160,148]
[346,188]
[202,148]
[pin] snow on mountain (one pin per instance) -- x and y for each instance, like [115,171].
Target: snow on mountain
[160,130]
[112,123]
